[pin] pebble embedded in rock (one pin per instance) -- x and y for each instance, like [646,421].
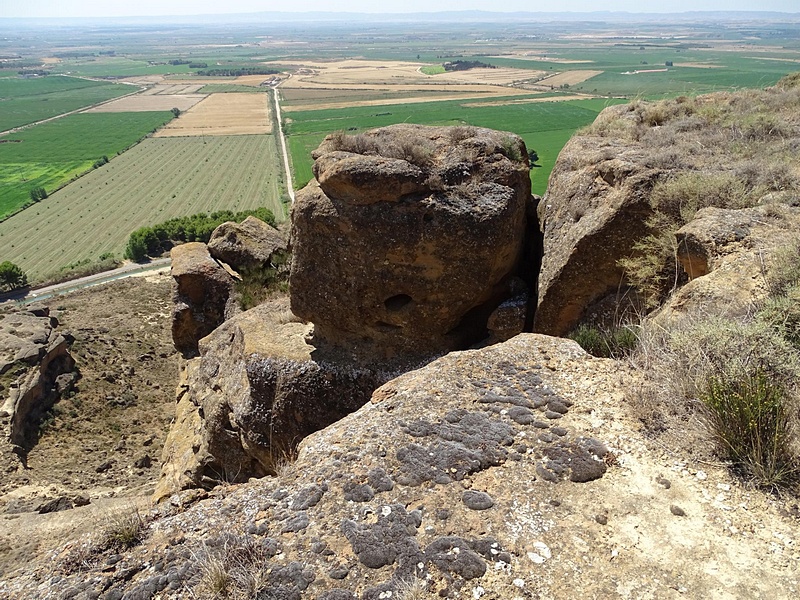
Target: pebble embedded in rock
[477,500]
[677,511]
[601,519]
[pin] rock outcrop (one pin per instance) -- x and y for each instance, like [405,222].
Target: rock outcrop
[727,255]
[492,473]
[246,245]
[256,390]
[35,369]
[409,237]
[202,298]
[394,262]
[594,212]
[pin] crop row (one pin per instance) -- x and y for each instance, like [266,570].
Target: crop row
[158,179]
[51,154]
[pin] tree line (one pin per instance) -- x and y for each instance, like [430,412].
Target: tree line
[155,240]
[240,72]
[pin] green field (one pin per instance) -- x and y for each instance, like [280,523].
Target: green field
[117,66]
[24,101]
[157,179]
[50,154]
[545,126]
[721,70]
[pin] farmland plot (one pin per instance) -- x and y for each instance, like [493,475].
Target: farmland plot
[158,179]
[545,126]
[27,101]
[340,84]
[223,114]
[50,154]
[149,102]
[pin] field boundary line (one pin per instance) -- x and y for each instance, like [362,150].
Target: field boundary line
[73,112]
[285,152]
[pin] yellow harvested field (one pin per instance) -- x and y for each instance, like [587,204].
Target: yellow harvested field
[338,84]
[315,74]
[568,78]
[180,88]
[250,80]
[148,102]
[222,114]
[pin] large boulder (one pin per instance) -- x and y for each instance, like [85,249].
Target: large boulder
[202,296]
[246,245]
[257,389]
[595,211]
[409,237]
[727,255]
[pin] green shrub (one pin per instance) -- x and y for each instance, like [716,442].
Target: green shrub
[749,417]
[615,342]
[258,284]
[782,314]
[155,240]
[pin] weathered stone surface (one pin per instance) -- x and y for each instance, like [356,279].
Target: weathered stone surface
[35,369]
[201,298]
[408,258]
[368,179]
[251,243]
[463,497]
[726,254]
[595,210]
[256,390]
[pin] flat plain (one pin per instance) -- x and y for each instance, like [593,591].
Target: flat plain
[549,78]
[223,114]
[158,179]
[50,154]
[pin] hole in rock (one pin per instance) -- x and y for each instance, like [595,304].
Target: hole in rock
[397,302]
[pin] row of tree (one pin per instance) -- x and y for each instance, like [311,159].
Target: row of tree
[154,241]
[465,65]
[237,72]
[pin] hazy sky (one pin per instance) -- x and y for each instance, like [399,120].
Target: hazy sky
[121,8]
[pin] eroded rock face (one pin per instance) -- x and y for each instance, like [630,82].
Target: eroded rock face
[256,390]
[202,298]
[395,260]
[35,369]
[727,255]
[594,212]
[409,255]
[251,243]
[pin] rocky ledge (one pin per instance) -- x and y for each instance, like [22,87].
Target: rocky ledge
[503,473]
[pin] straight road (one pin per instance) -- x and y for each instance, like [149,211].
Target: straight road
[74,285]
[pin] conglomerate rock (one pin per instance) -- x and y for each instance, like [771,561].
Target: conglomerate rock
[258,388]
[593,214]
[409,236]
[249,244]
[508,472]
[727,255]
[202,297]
